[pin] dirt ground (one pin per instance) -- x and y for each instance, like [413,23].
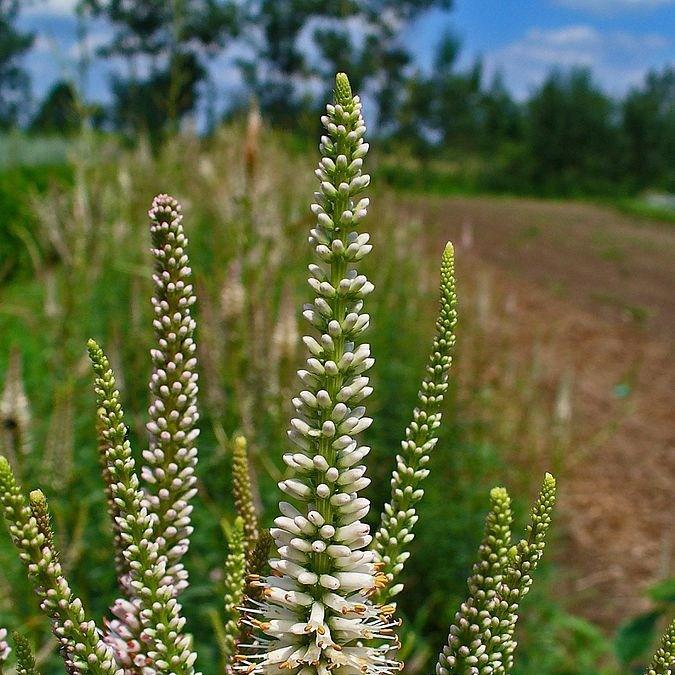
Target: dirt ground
[597,289]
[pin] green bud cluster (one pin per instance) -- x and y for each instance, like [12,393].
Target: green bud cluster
[663,662]
[25,661]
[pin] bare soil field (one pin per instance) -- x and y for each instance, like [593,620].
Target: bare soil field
[595,289]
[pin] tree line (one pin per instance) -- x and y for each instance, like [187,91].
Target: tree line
[569,136]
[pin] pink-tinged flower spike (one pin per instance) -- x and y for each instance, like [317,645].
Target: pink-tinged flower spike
[5,649]
[412,464]
[169,472]
[78,636]
[150,624]
[317,614]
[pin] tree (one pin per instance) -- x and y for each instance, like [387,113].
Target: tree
[648,123]
[58,111]
[14,81]
[300,42]
[166,46]
[571,137]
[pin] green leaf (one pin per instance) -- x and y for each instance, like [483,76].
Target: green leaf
[635,636]
[663,591]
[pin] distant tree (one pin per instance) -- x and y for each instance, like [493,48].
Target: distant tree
[58,112]
[14,81]
[445,105]
[501,118]
[572,141]
[300,42]
[164,43]
[648,123]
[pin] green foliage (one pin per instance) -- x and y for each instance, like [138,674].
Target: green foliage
[14,82]
[636,636]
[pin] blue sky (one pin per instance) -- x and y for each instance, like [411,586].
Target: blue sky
[619,39]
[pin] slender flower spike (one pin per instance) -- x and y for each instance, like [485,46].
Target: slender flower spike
[243,497]
[473,624]
[77,635]
[153,609]
[25,661]
[171,460]
[317,614]
[663,662]
[399,515]
[235,580]
[516,583]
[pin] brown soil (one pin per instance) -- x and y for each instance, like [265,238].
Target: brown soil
[596,289]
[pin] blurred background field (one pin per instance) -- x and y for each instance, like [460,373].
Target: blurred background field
[561,209]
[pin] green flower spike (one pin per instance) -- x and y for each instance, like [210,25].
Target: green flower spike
[153,597]
[235,581]
[472,626]
[399,515]
[25,661]
[663,662]
[83,649]
[243,496]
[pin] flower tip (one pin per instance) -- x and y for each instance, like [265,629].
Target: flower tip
[498,493]
[449,249]
[343,90]
[37,497]
[549,480]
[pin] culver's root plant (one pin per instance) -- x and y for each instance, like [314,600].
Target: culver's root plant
[324,600]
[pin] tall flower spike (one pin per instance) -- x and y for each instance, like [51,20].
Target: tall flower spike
[243,497]
[77,635]
[25,661]
[235,579]
[663,662]
[160,643]
[399,515]
[171,460]
[466,650]
[317,615]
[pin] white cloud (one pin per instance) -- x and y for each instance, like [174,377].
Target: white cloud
[51,8]
[614,6]
[618,59]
